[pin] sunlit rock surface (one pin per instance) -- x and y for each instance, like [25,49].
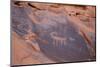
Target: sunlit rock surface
[52,33]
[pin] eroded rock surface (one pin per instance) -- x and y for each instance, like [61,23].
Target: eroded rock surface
[52,33]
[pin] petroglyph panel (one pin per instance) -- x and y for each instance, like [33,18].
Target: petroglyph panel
[52,33]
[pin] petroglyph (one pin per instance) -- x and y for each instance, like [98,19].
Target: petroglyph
[58,39]
[51,33]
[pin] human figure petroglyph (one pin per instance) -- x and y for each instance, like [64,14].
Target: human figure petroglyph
[58,39]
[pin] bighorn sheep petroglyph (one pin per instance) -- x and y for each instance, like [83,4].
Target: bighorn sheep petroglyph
[58,39]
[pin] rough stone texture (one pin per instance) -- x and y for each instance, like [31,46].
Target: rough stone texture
[52,33]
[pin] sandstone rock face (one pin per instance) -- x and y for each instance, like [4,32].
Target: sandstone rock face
[52,33]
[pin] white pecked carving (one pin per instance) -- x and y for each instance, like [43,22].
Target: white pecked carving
[58,39]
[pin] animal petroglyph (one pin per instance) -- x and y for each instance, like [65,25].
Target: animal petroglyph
[46,32]
[58,39]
